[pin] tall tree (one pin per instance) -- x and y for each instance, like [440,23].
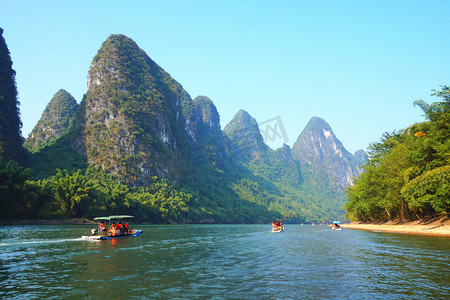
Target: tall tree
[10,124]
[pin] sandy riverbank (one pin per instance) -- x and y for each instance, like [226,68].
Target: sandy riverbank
[437,226]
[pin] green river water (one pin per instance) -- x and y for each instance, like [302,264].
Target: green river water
[221,262]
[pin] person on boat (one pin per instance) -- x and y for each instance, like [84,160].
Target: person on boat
[120,228]
[125,228]
[277,226]
[101,227]
[336,225]
[113,229]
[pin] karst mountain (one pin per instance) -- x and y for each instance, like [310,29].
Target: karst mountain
[136,122]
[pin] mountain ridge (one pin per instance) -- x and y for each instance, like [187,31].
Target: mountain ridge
[318,147]
[137,124]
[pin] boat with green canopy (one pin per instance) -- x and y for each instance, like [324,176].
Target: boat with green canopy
[118,227]
[336,225]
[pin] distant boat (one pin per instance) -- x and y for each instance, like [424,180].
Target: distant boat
[277,227]
[313,224]
[336,225]
[116,230]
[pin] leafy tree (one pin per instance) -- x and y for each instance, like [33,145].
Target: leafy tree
[72,192]
[429,193]
[18,198]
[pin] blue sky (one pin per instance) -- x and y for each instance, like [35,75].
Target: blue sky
[359,65]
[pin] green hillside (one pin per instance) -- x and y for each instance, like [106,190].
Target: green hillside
[55,121]
[138,144]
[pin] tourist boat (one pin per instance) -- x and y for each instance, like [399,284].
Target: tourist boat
[336,225]
[277,227]
[113,232]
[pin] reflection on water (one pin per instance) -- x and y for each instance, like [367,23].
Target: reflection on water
[222,261]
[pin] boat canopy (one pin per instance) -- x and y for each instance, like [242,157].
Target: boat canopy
[113,217]
[336,222]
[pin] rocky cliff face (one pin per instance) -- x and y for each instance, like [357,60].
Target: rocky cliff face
[211,143]
[135,120]
[360,158]
[248,145]
[318,148]
[244,133]
[56,119]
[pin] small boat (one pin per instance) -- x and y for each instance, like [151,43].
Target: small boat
[277,227]
[116,230]
[336,225]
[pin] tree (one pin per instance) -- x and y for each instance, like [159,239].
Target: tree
[429,193]
[18,198]
[72,192]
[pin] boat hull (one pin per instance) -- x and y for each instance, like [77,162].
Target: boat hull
[102,237]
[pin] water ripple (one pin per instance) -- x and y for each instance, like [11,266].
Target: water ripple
[222,261]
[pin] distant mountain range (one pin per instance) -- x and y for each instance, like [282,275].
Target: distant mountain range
[136,122]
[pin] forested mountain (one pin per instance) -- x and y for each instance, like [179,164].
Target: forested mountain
[56,119]
[139,144]
[244,132]
[318,150]
[10,124]
[301,190]
[133,121]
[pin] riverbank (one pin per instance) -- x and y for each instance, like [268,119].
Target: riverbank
[43,222]
[433,227]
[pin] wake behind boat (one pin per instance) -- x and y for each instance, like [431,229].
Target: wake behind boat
[115,230]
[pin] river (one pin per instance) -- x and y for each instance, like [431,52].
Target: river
[221,262]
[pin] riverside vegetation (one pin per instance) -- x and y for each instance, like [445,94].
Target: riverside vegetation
[407,174]
[138,144]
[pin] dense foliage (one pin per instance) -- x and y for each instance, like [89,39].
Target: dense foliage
[90,193]
[298,194]
[10,124]
[86,195]
[408,173]
[18,197]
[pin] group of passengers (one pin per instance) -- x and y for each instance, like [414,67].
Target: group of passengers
[119,229]
[277,226]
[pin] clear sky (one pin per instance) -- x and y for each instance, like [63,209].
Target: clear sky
[359,65]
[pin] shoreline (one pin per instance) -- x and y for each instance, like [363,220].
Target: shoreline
[439,226]
[44,222]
